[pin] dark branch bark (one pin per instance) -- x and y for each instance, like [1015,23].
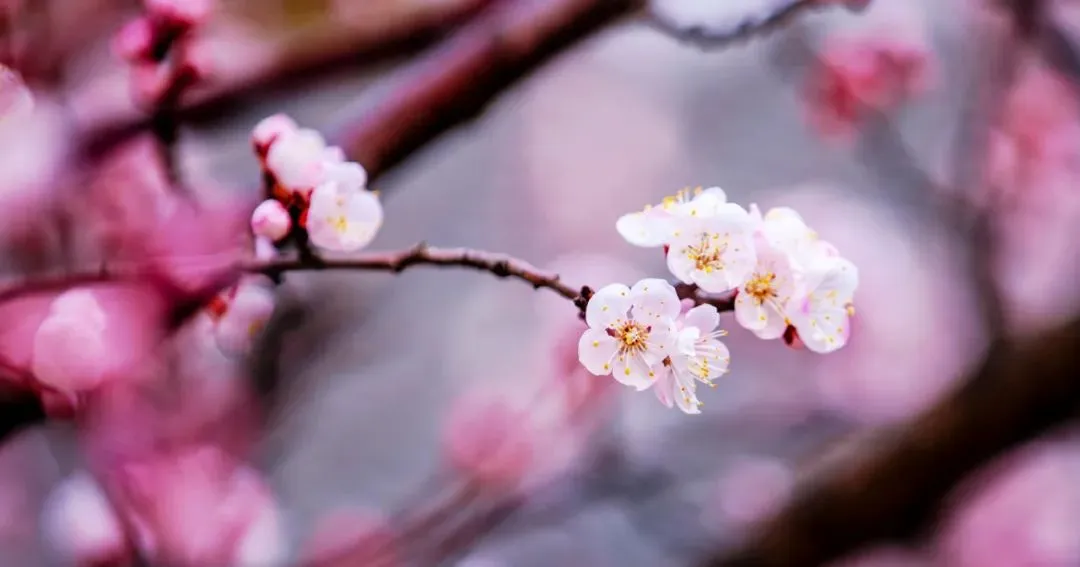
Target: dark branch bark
[895,492]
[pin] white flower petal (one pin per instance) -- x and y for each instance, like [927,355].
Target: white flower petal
[686,397]
[609,304]
[705,318]
[647,229]
[712,360]
[295,158]
[776,322]
[686,343]
[348,175]
[680,264]
[749,313]
[596,349]
[661,341]
[654,300]
[633,371]
[342,220]
[665,388]
[822,330]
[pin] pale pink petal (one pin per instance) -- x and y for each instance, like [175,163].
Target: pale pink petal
[654,299]
[596,351]
[633,371]
[609,304]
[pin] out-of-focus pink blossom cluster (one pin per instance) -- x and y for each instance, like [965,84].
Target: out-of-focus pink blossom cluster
[161,49]
[876,65]
[1036,144]
[313,188]
[786,282]
[192,508]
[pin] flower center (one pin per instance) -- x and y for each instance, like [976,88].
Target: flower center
[761,287]
[631,335]
[339,223]
[707,255]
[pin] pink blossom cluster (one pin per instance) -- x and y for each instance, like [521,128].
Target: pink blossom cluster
[312,187]
[161,50]
[786,281]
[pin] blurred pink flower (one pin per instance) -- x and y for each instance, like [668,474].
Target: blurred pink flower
[201,507]
[876,65]
[70,352]
[490,442]
[82,526]
[196,246]
[185,13]
[90,337]
[344,538]
[750,490]
[248,307]
[134,41]
[1022,510]
[1036,145]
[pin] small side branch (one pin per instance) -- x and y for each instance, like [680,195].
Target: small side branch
[499,265]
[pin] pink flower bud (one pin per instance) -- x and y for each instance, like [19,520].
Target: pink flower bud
[134,41]
[268,130]
[271,220]
[185,13]
[82,526]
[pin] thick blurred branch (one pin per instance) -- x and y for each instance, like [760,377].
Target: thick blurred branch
[457,81]
[894,489]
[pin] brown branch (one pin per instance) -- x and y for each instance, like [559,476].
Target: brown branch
[457,81]
[898,489]
[499,265]
[754,25]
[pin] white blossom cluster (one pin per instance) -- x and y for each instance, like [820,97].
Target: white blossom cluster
[313,179]
[787,283]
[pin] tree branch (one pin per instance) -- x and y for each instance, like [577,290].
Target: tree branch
[897,490]
[753,25]
[457,81]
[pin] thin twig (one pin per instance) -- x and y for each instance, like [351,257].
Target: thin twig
[499,265]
